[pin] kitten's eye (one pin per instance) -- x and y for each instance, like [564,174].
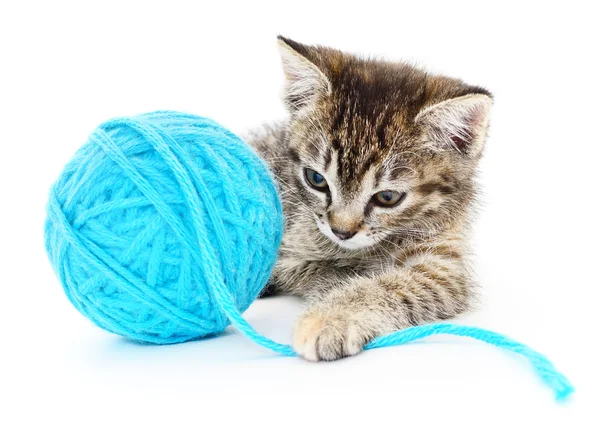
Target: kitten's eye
[316,180]
[388,198]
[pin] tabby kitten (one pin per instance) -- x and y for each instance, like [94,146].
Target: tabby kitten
[375,168]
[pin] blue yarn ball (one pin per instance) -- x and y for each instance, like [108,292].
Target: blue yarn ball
[152,215]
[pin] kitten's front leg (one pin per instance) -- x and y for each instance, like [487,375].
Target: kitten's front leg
[343,321]
[347,318]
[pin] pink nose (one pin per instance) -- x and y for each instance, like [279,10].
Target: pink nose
[343,235]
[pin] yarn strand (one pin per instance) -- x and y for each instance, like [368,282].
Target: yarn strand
[544,369]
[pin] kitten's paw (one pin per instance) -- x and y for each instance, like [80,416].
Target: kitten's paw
[324,336]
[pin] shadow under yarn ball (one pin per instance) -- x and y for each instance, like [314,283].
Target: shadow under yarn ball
[156,214]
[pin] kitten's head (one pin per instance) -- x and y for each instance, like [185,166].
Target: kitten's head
[380,149]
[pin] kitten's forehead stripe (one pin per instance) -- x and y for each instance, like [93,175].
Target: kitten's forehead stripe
[369,162]
[383,124]
[313,149]
[339,117]
[335,143]
[294,156]
[327,158]
[430,187]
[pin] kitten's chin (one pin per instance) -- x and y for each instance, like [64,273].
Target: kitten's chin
[359,241]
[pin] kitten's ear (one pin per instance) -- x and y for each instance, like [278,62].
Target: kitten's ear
[459,123]
[304,80]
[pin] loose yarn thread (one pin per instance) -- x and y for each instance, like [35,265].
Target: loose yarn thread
[165,226]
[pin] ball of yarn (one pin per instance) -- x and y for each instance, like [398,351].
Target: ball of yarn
[155,218]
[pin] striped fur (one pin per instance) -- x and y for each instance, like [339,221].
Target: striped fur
[368,126]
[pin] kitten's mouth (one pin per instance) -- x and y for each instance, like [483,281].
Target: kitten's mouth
[359,241]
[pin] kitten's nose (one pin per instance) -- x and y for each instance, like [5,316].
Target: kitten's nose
[343,235]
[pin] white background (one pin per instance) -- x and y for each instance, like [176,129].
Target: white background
[65,68]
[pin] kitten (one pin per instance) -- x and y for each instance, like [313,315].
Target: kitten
[375,168]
